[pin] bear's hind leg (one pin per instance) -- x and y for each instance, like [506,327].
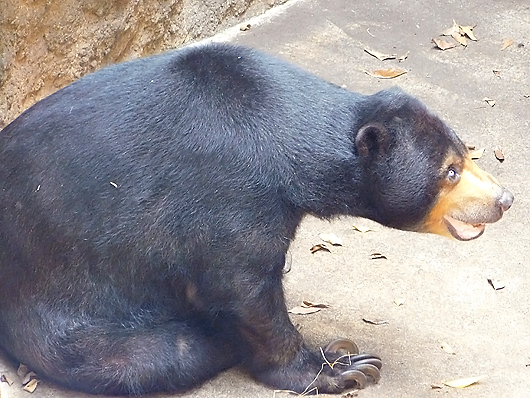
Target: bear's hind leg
[171,357]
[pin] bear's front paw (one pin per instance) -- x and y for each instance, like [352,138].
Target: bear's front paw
[352,369]
[333,369]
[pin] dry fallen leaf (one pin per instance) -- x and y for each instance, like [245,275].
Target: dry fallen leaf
[459,31]
[447,348]
[377,256]
[497,72]
[460,38]
[435,386]
[5,379]
[31,386]
[404,57]
[304,310]
[309,304]
[389,73]
[506,43]
[461,383]
[443,45]
[399,301]
[360,228]
[490,101]
[331,239]
[499,154]
[245,27]
[468,31]
[319,247]
[308,307]
[477,153]
[452,30]
[496,284]
[375,321]
[380,56]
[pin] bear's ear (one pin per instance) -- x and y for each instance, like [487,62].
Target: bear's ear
[371,140]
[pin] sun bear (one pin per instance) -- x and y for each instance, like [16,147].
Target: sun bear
[147,208]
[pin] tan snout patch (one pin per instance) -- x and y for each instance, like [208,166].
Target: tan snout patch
[464,206]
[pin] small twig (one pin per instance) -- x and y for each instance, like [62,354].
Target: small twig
[309,390]
[325,359]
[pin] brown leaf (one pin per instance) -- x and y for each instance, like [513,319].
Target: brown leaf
[461,383]
[496,284]
[377,256]
[304,310]
[499,154]
[319,247]
[436,386]
[506,43]
[389,73]
[443,45]
[360,228]
[450,31]
[5,379]
[331,239]
[309,304]
[460,38]
[491,102]
[375,321]
[461,30]
[468,31]
[31,386]
[477,153]
[380,56]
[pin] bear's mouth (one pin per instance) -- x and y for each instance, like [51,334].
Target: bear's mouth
[462,230]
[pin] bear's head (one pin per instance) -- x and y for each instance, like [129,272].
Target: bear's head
[419,175]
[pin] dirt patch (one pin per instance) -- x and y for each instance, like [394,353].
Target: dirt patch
[45,45]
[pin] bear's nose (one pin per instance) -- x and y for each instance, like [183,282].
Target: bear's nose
[506,200]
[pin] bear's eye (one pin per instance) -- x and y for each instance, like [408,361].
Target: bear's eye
[452,174]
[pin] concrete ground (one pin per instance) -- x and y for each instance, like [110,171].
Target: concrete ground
[442,284]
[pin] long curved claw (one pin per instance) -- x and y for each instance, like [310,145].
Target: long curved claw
[370,370]
[342,345]
[361,357]
[356,376]
[375,361]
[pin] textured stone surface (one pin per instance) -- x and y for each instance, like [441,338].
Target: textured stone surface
[46,44]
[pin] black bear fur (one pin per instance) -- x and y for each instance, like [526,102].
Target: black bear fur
[146,211]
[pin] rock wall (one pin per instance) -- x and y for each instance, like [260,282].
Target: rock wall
[46,44]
